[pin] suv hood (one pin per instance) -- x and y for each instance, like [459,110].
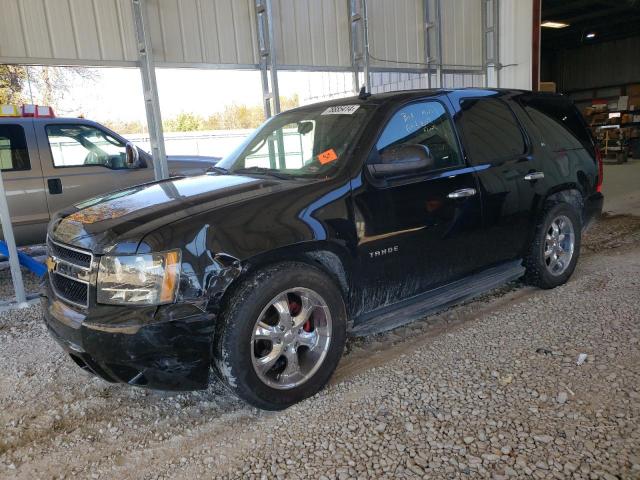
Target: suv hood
[117,222]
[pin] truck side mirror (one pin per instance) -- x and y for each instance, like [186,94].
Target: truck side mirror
[133,156]
[402,159]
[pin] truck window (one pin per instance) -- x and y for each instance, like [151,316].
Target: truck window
[425,123]
[559,123]
[490,130]
[13,149]
[85,146]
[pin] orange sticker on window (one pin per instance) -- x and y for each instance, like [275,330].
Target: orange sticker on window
[327,156]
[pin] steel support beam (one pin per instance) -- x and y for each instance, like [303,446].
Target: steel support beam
[490,43]
[7,230]
[439,40]
[150,90]
[268,59]
[433,41]
[359,38]
[365,60]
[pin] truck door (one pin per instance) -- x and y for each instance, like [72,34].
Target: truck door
[509,173]
[80,160]
[23,182]
[418,230]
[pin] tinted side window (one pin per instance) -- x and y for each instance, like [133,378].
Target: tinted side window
[559,123]
[13,148]
[424,123]
[490,130]
[83,145]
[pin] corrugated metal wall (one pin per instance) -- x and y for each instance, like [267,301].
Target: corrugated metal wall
[599,65]
[391,81]
[72,31]
[515,40]
[312,33]
[309,34]
[461,34]
[396,33]
[202,32]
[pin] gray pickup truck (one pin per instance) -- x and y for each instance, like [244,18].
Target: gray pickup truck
[52,163]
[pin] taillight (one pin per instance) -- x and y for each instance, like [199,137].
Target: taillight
[600,170]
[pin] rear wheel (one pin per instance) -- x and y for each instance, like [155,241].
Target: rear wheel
[554,253]
[281,335]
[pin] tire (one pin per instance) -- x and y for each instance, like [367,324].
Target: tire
[538,265]
[243,352]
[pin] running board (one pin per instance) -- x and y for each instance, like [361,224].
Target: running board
[415,308]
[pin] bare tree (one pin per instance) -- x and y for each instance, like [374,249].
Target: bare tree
[12,80]
[50,84]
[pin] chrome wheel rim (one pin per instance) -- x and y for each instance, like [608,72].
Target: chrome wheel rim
[559,244]
[291,338]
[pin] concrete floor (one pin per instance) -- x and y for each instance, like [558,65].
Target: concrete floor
[621,187]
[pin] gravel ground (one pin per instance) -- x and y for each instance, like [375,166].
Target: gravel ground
[31,284]
[488,389]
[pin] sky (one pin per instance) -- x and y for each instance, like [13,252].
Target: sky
[116,93]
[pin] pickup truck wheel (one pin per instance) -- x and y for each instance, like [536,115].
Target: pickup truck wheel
[554,253]
[281,335]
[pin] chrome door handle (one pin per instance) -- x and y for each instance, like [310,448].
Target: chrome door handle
[534,176]
[463,193]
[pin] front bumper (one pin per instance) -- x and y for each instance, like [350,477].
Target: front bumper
[151,350]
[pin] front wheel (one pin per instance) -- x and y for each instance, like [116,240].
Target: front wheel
[554,253]
[281,335]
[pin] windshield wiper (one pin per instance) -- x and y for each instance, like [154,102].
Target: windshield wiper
[216,169]
[265,171]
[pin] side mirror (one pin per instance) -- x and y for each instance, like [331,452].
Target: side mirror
[401,160]
[304,127]
[133,156]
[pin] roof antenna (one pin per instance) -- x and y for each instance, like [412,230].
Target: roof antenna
[363,93]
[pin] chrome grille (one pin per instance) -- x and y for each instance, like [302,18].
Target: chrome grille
[70,255]
[70,273]
[71,290]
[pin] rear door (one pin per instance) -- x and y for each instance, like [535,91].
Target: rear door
[23,182]
[81,160]
[510,173]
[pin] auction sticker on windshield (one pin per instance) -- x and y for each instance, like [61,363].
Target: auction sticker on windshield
[327,156]
[341,110]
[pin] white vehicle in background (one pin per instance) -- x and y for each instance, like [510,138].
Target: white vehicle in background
[50,163]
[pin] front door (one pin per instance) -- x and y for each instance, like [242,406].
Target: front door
[23,183]
[80,161]
[416,231]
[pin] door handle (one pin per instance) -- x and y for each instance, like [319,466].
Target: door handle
[55,186]
[463,193]
[534,176]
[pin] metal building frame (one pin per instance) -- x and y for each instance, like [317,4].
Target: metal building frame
[268,66]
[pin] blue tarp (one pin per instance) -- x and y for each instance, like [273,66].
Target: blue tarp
[25,260]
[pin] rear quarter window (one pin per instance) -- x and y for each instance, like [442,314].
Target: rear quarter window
[559,122]
[13,149]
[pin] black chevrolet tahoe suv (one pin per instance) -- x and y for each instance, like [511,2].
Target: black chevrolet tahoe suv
[345,217]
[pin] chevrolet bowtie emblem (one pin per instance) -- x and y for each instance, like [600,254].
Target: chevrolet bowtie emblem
[51,264]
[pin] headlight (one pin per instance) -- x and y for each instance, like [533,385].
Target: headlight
[150,279]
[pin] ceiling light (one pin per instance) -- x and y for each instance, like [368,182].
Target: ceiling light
[550,24]
[591,35]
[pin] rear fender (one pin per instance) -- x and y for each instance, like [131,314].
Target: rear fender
[568,193]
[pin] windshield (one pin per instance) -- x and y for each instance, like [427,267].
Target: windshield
[308,143]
